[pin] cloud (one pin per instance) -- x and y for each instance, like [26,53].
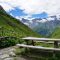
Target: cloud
[52,7]
[25,17]
[42,21]
[6,6]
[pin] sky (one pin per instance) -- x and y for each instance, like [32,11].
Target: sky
[30,9]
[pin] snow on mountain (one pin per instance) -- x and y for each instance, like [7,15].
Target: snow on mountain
[43,26]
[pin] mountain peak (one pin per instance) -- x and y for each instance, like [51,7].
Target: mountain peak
[1,8]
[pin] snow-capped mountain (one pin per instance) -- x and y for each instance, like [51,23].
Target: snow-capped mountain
[43,26]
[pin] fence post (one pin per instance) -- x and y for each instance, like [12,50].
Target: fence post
[33,43]
[55,46]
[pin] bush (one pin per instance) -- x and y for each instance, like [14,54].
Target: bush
[8,42]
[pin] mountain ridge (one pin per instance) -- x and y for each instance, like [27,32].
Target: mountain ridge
[44,26]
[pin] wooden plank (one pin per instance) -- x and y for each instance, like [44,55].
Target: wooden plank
[49,42]
[46,42]
[40,39]
[38,47]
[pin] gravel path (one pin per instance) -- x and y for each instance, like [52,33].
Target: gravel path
[8,54]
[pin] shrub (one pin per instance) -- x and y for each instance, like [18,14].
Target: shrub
[8,42]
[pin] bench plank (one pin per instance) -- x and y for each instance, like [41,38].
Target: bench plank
[40,39]
[38,47]
[47,42]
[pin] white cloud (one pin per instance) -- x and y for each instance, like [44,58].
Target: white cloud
[50,19]
[26,24]
[6,6]
[17,17]
[42,21]
[11,14]
[29,17]
[30,7]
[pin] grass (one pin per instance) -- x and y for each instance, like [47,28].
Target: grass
[56,33]
[44,44]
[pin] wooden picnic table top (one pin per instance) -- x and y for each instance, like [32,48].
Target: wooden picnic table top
[40,39]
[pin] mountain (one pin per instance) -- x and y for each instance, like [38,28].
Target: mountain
[25,21]
[45,26]
[9,26]
[56,33]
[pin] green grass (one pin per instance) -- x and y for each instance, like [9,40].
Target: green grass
[56,33]
[44,44]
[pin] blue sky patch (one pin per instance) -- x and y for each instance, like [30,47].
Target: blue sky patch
[42,15]
[17,12]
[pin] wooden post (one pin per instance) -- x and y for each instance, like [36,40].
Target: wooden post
[56,44]
[32,42]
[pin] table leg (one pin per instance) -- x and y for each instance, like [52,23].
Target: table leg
[56,44]
[32,42]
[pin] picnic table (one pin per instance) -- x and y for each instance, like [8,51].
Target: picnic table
[33,39]
[56,41]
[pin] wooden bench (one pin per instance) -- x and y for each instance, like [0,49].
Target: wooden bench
[56,43]
[54,49]
[46,40]
[38,47]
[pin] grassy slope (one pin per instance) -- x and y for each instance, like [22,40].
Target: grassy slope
[56,33]
[10,26]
